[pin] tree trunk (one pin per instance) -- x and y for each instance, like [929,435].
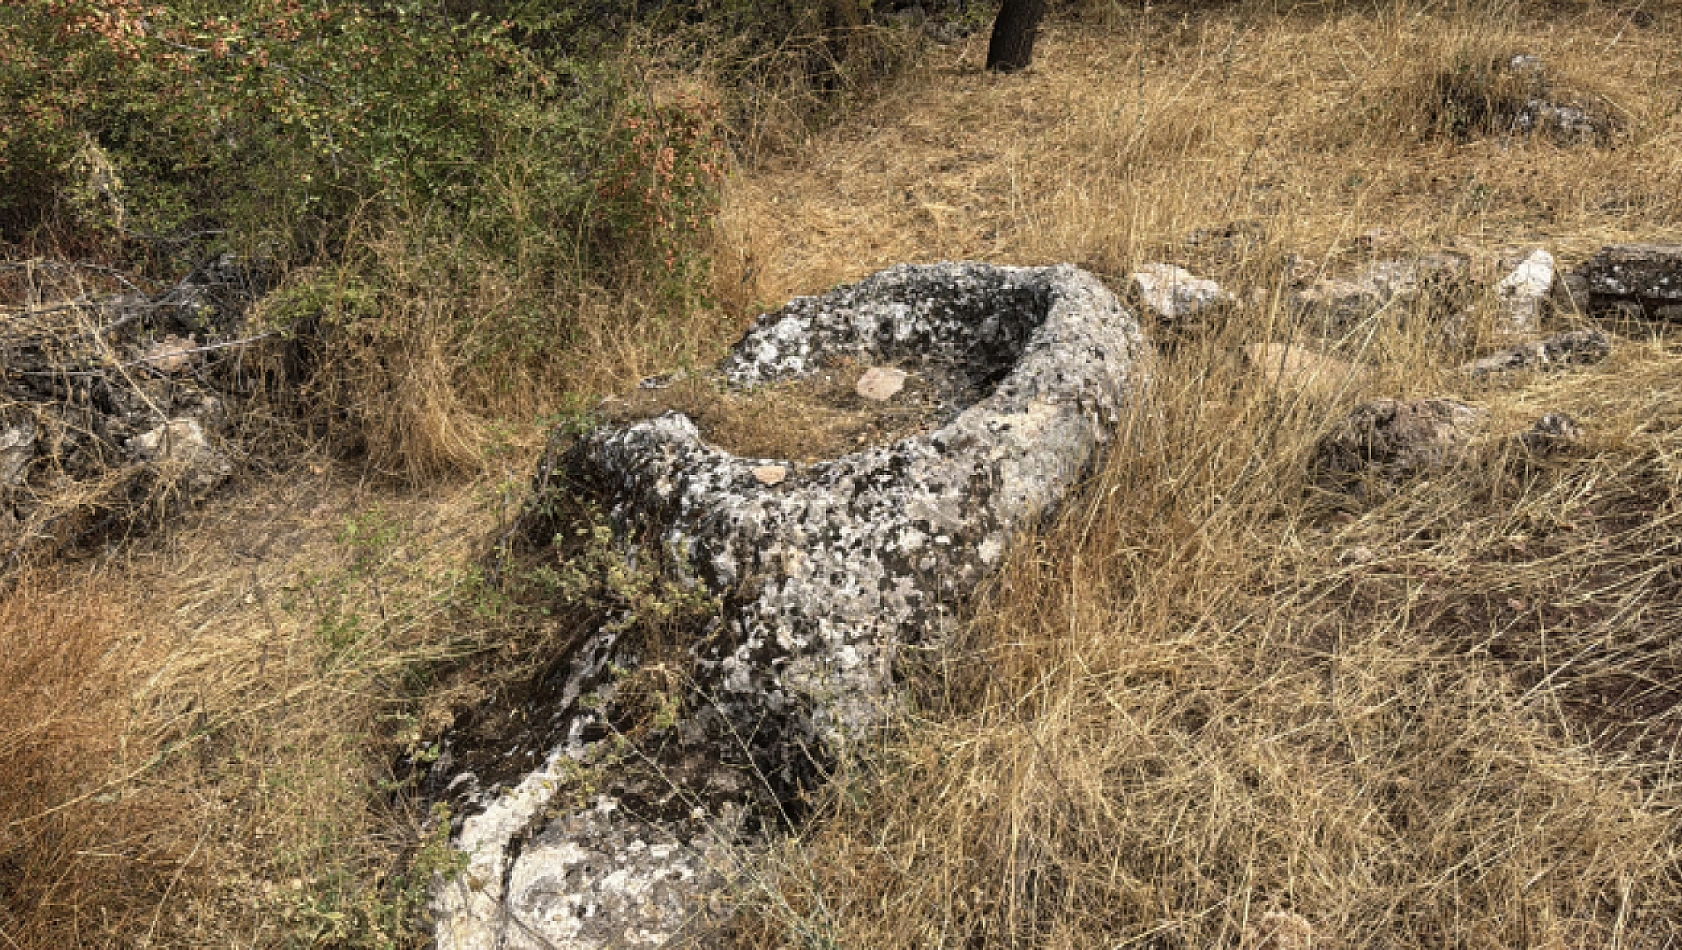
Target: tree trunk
[1012,45]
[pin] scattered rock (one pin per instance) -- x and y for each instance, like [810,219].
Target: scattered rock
[1279,930]
[172,354]
[1635,277]
[1296,369]
[1553,433]
[96,373]
[1522,292]
[770,474]
[1573,348]
[1390,439]
[1515,95]
[881,383]
[17,449]
[1344,302]
[180,449]
[828,577]
[1173,294]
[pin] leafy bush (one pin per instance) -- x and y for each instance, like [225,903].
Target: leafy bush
[285,119]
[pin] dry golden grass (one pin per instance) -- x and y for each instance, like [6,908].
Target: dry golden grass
[1205,694]
[215,764]
[807,420]
[1209,692]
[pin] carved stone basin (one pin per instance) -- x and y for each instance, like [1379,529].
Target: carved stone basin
[825,574]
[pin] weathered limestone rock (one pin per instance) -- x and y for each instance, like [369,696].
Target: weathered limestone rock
[881,383]
[1523,291]
[17,448]
[1572,348]
[180,449]
[1648,276]
[1173,294]
[1552,434]
[826,576]
[598,877]
[1392,440]
[1295,369]
[1344,302]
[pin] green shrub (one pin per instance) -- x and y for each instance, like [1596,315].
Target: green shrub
[285,120]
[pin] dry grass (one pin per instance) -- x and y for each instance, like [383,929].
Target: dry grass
[1209,692]
[78,841]
[807,420]
[217,763]
[1204,694]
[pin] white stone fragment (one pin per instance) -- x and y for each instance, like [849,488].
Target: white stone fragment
[181,449]
[1521,292]
[770,474]
[17,447]
[881,383]
[1173,293]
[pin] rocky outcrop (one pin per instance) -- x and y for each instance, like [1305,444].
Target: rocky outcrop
[114,401]
[827,573]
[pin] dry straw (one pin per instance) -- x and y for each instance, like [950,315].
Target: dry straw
[1207,703]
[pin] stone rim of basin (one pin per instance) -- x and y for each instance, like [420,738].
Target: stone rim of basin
[832,567]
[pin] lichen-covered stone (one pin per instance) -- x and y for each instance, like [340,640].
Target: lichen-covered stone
[1572,348]
[1648,276]
[828,573]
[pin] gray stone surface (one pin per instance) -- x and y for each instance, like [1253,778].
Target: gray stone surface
[1572,348]
[881,383]
[183,453]
[827,574]
[1553,433]
[1173,293]
[1342,302]
[17,449]
[1648,276]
